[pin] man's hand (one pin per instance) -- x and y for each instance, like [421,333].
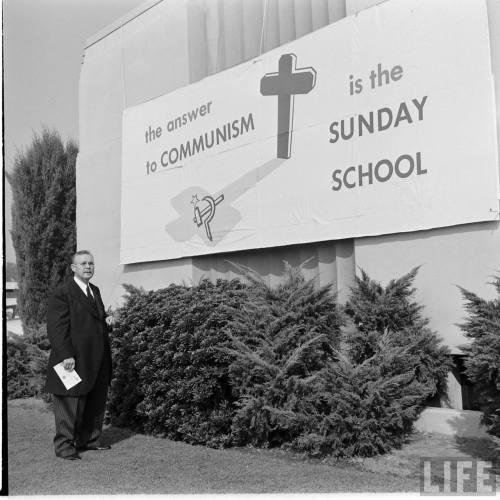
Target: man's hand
[111,317]
[69,364]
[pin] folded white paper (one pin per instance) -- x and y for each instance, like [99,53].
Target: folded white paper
[69,379]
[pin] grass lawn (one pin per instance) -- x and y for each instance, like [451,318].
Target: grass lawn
[145,464]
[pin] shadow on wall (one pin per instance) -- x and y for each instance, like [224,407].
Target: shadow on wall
[269,263]
[467,229]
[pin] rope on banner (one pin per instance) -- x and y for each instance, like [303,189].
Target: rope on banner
[264,21]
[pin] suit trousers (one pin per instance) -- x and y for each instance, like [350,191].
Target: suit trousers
[79,419]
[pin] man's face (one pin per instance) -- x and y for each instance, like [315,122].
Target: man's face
[83,267]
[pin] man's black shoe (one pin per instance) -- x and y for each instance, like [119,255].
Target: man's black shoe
[73,456]
[101,447]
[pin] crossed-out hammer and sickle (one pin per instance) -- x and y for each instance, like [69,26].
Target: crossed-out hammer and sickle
[207,214]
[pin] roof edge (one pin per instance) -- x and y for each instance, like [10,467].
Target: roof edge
[121,21]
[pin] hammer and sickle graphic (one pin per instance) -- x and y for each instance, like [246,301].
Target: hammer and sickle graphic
[205,216]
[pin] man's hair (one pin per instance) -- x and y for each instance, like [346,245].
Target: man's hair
[80,252]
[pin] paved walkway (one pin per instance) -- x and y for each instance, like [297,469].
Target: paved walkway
[15,326]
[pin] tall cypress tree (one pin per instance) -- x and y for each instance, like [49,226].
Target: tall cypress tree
[43,219]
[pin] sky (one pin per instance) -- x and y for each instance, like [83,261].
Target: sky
[43,46]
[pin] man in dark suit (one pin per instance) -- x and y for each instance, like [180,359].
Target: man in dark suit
[78,333]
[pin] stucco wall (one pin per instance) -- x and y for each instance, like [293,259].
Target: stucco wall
[464,255]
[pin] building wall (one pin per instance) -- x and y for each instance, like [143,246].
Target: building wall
[167,44]
[466,256]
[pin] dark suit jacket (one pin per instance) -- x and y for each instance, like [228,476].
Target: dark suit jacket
[77,329]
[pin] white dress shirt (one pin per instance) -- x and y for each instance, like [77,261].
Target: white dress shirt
[83,286]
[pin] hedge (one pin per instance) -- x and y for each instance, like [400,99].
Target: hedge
[171,377]
[232,363]
[27,358]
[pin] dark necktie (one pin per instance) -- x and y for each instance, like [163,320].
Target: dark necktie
[89,295]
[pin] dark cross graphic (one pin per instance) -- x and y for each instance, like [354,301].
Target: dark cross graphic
[286,83]
[207,214]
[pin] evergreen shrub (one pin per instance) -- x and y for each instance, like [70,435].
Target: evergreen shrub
[170,375]
[282,338]
[482,365]
[391,364]
[248,364]
[372,404]
[27,358]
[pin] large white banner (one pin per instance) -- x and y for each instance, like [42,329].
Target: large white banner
[380,123]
